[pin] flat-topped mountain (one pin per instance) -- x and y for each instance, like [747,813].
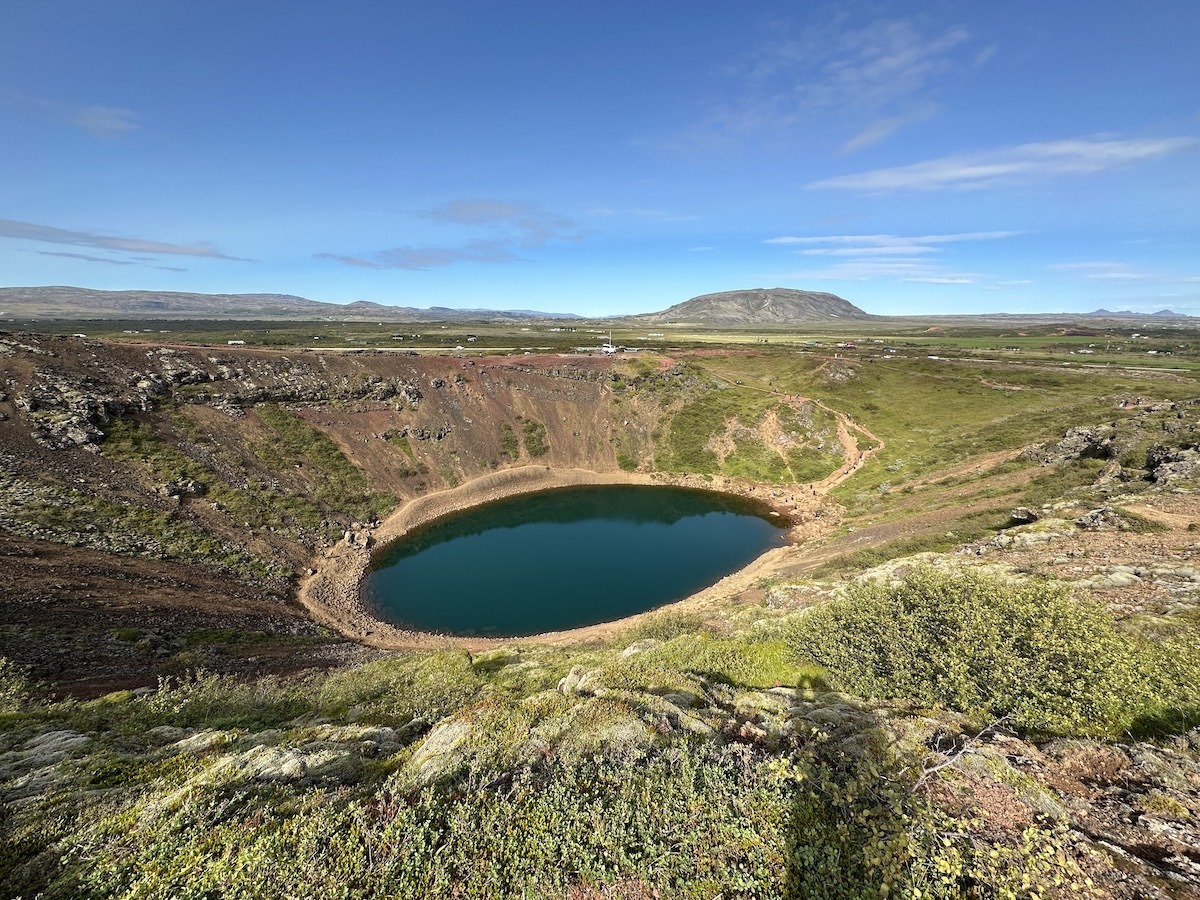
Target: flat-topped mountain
[62,302]
[760,306]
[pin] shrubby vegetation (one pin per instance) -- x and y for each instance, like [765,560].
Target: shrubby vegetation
[14,687]
[545,792]
[1026,651]
[80,518]
[535,438]
[522,813]
[705,413]
[509,445]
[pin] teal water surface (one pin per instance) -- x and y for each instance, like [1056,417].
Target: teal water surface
[565,558]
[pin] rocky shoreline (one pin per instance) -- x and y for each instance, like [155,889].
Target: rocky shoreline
[332,591]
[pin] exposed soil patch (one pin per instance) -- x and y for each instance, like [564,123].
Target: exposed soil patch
[94,622]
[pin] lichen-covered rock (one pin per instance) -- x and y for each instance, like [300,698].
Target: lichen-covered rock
[639,647]
[266,763]
[41,751]
[440,753]
[203,741]
[1105,518]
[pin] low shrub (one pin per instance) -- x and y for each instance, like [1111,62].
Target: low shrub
[973,643]
[535,438]
[509,445]
[393,691]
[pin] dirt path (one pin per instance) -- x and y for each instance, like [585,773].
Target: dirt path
[853,458]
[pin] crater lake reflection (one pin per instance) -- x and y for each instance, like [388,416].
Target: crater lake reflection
[565,558]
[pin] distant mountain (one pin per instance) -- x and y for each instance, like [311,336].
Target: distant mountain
[1130,314]
[760,306]
[86,303]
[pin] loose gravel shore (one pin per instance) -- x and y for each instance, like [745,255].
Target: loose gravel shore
[333,594]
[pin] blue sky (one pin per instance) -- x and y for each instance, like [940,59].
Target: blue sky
[930,157]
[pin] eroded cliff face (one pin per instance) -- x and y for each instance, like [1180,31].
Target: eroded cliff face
[228,471]
[271,453]
[155,497]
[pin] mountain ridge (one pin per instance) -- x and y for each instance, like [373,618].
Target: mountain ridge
[760,306]
[68,302]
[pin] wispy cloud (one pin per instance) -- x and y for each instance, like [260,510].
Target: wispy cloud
[1105,270]
[132,261]
[105,121]
[906,270]
[863,257]
[701,249]
[883,244]
[871,80]
[1120,272]
[512,225]
[884,128]
[1011,165]
[96,119]
[30,231]
[422,258]
[86,258]
[528,225]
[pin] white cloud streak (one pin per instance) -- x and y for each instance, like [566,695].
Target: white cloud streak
[1011,165]
[907,270]
[882,129]
[884,244]
[30,231]
[1109,270]
[886,256]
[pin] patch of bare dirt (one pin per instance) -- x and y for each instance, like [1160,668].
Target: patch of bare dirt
[92,623]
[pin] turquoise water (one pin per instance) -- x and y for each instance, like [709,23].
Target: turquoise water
[565,558]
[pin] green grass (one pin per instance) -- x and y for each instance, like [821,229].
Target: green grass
[251,500]
[744,662]
[713,409]
[337,483]
[402,442]
[933,415]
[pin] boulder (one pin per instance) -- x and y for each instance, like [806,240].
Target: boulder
[1023,515]
[266,763]
[1103,518]
[203,741]
[639,647]
[440,753]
